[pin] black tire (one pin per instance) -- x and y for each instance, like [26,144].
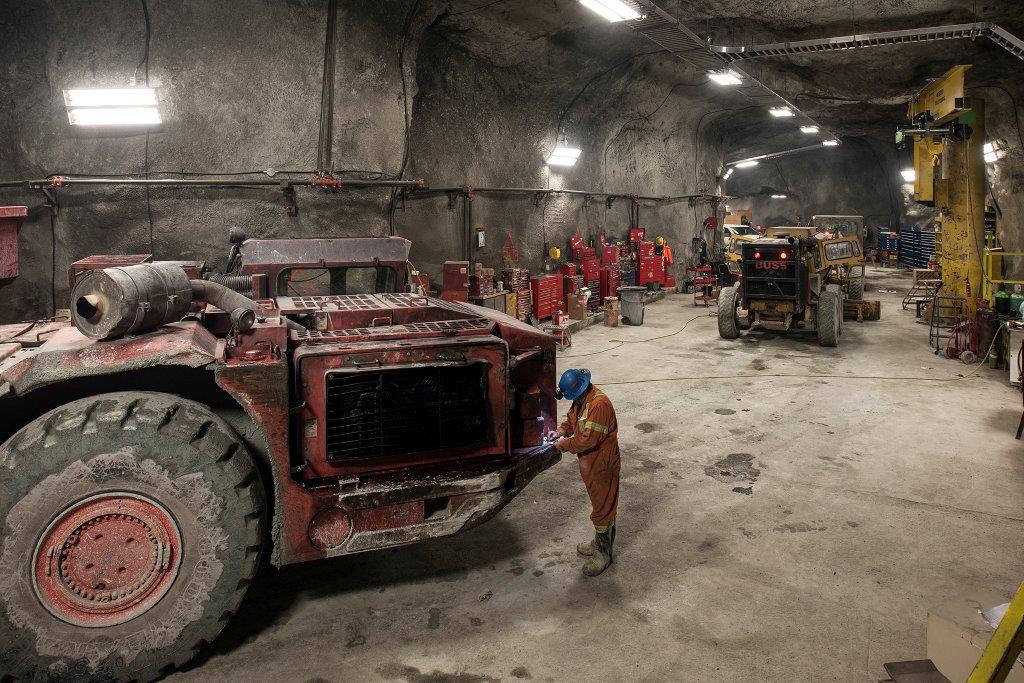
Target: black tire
[117,450]
[830,314]
[855,289]
[728,321]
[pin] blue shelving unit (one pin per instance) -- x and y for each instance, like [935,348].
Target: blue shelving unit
[916,247]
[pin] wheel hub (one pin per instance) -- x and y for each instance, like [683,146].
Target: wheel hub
[107,559]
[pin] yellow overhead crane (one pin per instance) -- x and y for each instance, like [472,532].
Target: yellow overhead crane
[948,136]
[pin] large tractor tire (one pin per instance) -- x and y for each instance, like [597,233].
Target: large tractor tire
[855,288]
[830,318]
[131,526]
[728,320]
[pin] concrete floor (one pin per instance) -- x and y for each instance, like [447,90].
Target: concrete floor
[770,528]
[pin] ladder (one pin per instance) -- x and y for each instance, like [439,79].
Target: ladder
[946,316]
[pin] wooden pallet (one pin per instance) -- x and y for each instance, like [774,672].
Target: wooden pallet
[862,310]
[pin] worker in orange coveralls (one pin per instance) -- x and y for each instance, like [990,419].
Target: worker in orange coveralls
[591,432]
[661,248]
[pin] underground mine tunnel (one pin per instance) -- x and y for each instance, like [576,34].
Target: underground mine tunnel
[480,340]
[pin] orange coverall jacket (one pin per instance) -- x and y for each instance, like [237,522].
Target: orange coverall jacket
[592,433]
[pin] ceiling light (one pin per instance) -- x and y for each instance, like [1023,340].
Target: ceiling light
[728,173]
[110,97]
[778,196]
[746,164]
[726,77]
[810,130]
[991,153]
[112,106]
[564,156]
[830,143]
[781,112]
[114,116]
[909,175]
[612,10]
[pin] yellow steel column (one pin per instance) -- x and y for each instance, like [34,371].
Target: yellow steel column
[960,196]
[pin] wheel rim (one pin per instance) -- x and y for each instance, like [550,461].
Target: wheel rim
[107,559]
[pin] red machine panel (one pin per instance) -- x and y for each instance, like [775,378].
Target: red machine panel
[11,218]
[455,281]
[341,435]
[547,295]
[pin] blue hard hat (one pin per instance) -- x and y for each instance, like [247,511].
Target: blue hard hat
[573,383]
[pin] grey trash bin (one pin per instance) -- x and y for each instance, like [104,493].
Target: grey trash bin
[632,301]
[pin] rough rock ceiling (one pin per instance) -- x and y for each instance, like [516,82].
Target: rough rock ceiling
[857,92]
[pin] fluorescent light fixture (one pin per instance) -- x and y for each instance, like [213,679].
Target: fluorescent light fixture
[612,10]
[778,196]
[110,97]
[781,112]
[747,164]
[112,106]
[114,116]
[564,156]
[830,143]
[909,175]
[810,130]
[728,173]
[726,77]
[991,154]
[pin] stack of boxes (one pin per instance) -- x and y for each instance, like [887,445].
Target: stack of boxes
[517,282]
[481,282]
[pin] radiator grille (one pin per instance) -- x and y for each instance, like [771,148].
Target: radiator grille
[397,412]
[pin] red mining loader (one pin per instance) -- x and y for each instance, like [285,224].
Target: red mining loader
[181,424]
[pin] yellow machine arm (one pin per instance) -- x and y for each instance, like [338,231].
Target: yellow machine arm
[948,138]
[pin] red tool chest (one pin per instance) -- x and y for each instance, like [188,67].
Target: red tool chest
[646,249]
[650,269]
[609,255]
[547,295]
[455,281]
[611,279]
[591,271]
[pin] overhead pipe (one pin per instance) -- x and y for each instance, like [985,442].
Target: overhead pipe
[469,190]
[321,181]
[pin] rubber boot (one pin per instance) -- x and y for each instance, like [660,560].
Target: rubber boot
[586,549]
[602,556]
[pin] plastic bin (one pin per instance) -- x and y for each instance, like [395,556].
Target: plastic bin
[632,301]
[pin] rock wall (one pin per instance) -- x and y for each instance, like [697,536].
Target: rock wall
[240,86]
